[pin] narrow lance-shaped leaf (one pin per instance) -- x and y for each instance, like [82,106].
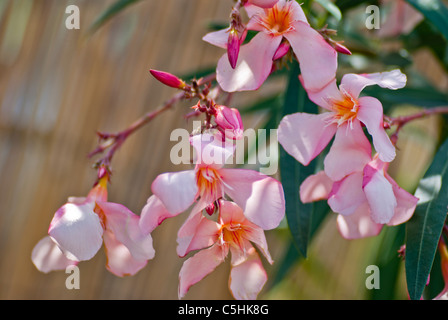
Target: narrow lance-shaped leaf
[292,173]
[110,12]
[292,256]
[388,261]
[425,227]
[435,11]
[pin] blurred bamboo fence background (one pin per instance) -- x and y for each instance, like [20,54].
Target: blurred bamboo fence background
[59,86]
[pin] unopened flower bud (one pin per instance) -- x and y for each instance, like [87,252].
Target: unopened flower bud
[229,122]
[168,79]
[210,209]
[282,50]
[341,48]
[233,47]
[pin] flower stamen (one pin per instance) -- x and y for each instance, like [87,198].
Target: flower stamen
[276,20]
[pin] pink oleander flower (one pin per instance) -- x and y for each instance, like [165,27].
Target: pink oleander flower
[304,135]
[401,18]
[80,227]
[365,200]
[443,295]
[285,20]
[260,196]
[233,233]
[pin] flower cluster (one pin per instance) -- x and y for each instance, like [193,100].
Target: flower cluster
[230,208]
[354,182]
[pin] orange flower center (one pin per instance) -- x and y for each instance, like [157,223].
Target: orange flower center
[276,20]
[209,183]
[345,110]
[233,234]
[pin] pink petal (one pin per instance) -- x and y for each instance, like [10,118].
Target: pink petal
[232,214]
[248,278]
[350,152]
[324,96]
[297,12]
[316,187]
[253,11]
[240,253]
[260,197]
[199,266]
[77,230]
[196,233]
[176,190]
[217,38]
[379,194]
[120,261]
[371,114]
[124,225]
[305,135]
[406,204]
[257,237]
[359,224]
[153,214]
[253,67]
[187,231]
[347,195]
[47,256]
[318,60]
[263,3]
[355,83]
[211,150]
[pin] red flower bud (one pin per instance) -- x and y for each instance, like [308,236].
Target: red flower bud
[168,79]
[341,48]
[229,122]
[233,47]
[210,209]
[281,50]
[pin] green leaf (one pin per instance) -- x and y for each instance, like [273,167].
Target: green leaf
[331,8]
[436,284]
[425,227]
[269,103]
[426,36]
[110,12]
[435,11]
[292,255]
[388,261]
[292,173]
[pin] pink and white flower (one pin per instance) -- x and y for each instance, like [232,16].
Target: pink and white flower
[304,135]
[232,233]
[365,200]
[260,196]
[285,20]
[81,226]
